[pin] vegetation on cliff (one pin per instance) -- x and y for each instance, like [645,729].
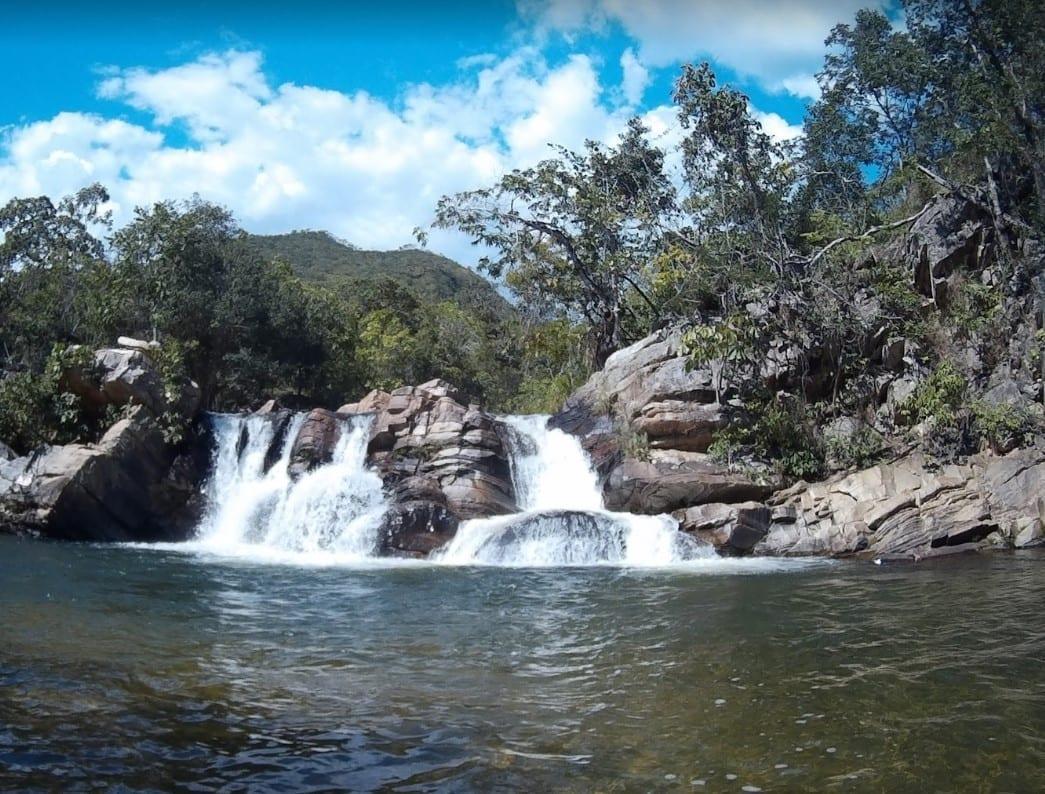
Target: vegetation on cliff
[885,268]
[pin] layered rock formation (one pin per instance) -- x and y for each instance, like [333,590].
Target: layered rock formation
[647,420]
[441,460]
[906,509]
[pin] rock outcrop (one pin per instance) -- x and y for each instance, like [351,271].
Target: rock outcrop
[130,485]
[442,462]
[671,479]
[906,509]
[127,376]
[648,393]
[315,442]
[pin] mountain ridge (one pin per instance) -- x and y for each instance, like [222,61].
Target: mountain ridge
[321,257]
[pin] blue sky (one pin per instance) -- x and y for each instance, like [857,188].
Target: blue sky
[356,117]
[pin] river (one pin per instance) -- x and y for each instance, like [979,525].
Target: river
[153,669]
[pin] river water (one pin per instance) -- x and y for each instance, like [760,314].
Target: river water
[153,669]
[563,647]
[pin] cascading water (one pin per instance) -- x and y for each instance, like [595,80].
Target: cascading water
[332,513]
[563,521]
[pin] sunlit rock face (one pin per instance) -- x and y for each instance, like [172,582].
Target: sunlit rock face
[426,431]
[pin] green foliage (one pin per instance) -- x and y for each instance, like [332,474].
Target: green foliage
[35,409]
[320,258]
[939,397]
[633,443]
[858,450]
[725,346]
[972,307]
[778,430]
[1001,426]
[170,363]
[573,235]
[386,350]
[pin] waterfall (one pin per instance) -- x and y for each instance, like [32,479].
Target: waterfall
[332,513]
[562,519]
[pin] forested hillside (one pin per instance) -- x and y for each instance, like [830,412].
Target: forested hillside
[320,257]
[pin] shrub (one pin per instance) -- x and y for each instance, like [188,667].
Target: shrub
[939,396]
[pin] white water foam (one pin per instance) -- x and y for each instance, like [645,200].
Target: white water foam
[333,514]
[563,521]
[329,515]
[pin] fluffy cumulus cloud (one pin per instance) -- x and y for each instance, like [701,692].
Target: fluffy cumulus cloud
[296,156]
[780,44]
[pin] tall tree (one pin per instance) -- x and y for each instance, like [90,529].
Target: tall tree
[575,232]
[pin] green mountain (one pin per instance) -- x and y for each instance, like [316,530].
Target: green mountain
[322,258]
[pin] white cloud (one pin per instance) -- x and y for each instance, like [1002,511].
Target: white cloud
[635,79]
[780,44]
[296,156]
[776,126]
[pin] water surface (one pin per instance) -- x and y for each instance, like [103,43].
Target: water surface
[156,669]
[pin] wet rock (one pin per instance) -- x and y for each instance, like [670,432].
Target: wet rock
[730,528]
[315,442]
[425,431]
[419,521]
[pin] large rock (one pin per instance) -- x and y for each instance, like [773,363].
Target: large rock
[425,433]
[315,441]
[730,528]
[950,237]
[911,509]
[647,389]
[419,521]
[671,480]
[122,376]
[129,486]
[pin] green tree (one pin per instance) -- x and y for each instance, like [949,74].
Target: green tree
[574,233]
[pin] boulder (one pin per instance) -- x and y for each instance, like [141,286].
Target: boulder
[124,488]
[731,528]
[315,442]
[427,432]
[419,521]
[127,376]
[647,389]
[671,480]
